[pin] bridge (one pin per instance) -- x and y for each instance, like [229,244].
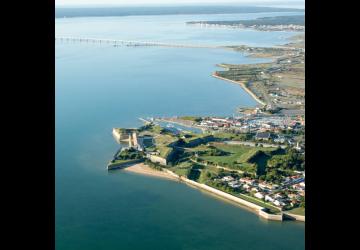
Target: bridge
[116,42]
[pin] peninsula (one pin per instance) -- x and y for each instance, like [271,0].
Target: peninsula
[268,179]
[278,86]
[255,158]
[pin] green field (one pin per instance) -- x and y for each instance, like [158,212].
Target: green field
[259,202]
[297,211]
[164,151]
[191,118]
[238,157]
[162,142]
[182,169]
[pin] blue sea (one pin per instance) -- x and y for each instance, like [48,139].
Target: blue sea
[99,87]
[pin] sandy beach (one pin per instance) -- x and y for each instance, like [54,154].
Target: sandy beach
[141,168]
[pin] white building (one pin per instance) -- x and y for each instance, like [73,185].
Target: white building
[259,195]
[278,203]
[227,178]
[269,198]
[247,181]
[234,184]
[278,196]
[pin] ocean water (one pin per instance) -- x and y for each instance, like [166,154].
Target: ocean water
[99,87]
[172,28]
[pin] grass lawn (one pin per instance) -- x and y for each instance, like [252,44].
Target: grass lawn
[256,201]
[229,136]
[238,158]
[164,140]
[182,168]
[213,171]
[191,118]
[156,129]
[194,137]
[164,151]
[180,171]
[224,135]
[198,148]
[297,211]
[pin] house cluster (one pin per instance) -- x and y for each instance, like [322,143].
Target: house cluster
[252,122]
[288,193]
[281,27]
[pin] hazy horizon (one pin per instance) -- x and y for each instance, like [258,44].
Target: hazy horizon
[117,3]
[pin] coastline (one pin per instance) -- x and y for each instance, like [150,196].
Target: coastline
[143,169]
[243,86]
[168,120]
[262,212]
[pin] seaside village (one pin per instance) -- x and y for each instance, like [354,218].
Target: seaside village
[257,126]
[265,128]
[256,157]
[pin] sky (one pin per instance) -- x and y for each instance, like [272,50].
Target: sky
[285,3]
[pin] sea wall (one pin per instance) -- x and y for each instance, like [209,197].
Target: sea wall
[116,135]
[222,194]
[264,214]
[261,211]
[295,216]
[124,164]
[122,134]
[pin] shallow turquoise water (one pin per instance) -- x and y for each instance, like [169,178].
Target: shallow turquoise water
[99,87]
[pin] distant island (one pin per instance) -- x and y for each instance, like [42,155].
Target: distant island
[277,23]
[61,12]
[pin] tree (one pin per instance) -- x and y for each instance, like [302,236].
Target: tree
[208,174]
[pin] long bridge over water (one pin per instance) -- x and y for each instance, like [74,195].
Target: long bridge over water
[117,42]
